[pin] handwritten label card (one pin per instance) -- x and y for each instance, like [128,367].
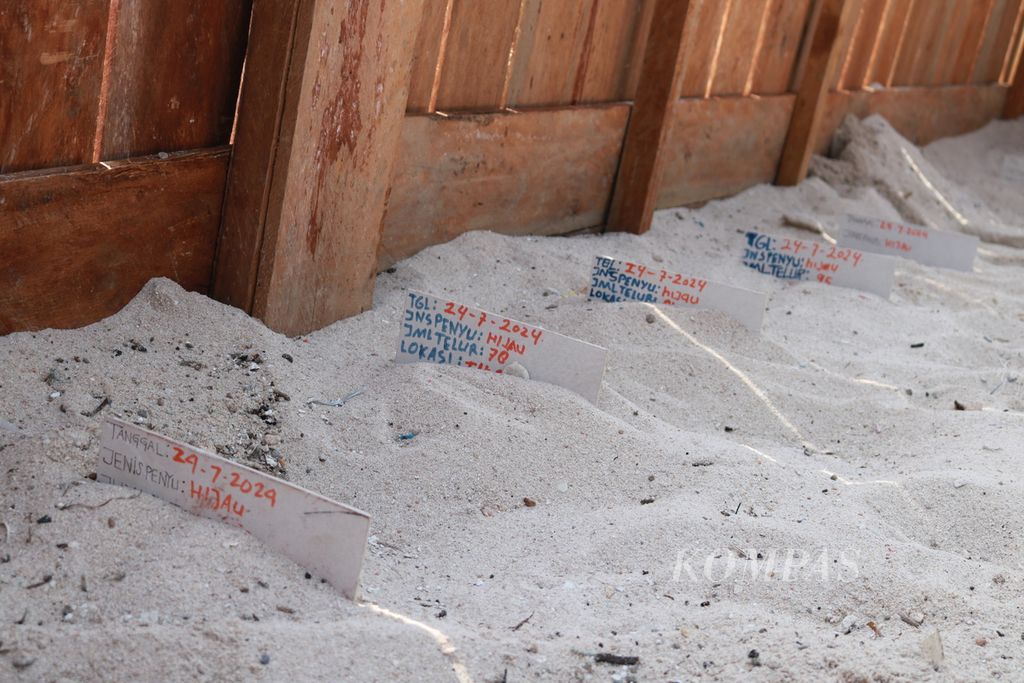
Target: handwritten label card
[789,259]
[614,280]
[445,332]
[915,242]
[327,538]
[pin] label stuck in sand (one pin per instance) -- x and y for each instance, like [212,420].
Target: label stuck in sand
[325,537]
[449,333]
[916,242]
[615,280]
[793,259]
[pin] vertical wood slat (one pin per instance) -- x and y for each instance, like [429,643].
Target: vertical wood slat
[741,45]
[640,168]
[550,45]
[174,75]
[948,36]
[785,28]
[990,63]
[980,72]
[702,43]
[639,49]
[890,42]
[321,115]
[844,43]
[602,71]
[864,45]
[916,42]
[1013,54]
[51,68]
[428,56]
[481,41]
[974,35]
[834,17]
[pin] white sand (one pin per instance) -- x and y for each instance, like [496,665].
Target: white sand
[850,448]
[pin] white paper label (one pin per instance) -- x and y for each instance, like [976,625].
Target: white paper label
[615,280]
[325,537]
[794,259]
[916,242]
[449,333]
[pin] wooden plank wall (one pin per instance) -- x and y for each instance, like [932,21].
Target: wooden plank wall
[501,96]
[83,85]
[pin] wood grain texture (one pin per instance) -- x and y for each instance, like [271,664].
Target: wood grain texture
[552,40]
[481,41]
[864,45]
[920,114]
[722,145]
[967,54]
[51,68]
[261,113]
[465,173]
[636,185]
[741,47]
[174,75]
[833,18]
[702,42]
[79,243]
[787,20]
[890,42]
[999,36]
[428,56]
[345,97]
[604,66]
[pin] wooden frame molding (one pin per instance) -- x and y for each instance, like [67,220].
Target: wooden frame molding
[320,115]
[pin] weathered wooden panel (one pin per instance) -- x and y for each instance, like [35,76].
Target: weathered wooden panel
[741,47]
[481,42]
[707,138]
[552,38]
[428,56]
[602,71]
[174,75]
[545,171]
[995,50]
[79,243]
[920,114]
[844,42]
[918,42]
[890,43]
[51,68]
[702,43]
[784,31]
[967,54]
[864,45]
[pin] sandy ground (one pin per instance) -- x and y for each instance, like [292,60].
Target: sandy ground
[806,504]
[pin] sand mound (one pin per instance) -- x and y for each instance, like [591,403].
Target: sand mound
[870,153]
[806,504]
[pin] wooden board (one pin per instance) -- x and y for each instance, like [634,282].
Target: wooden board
[709,136]
[918,39]
[921,115]
[1014,106]
[79,243]
[741,47]
[341,101]
[974,35]
[428,56]
[864,45]
[890,43]
[550,45]
[702,42]
[834,19]
[602,71]
[51,68]
[482,37]
[784,32]
[174,75]
[992,59]
[639,176]
[465,173]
